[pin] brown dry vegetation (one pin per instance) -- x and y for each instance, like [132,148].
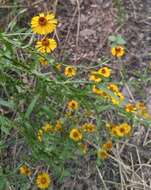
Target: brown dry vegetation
[82,34]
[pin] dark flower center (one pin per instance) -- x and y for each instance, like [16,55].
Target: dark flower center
[118,50]
[103,71]
[42,21]
[122,130]
[75,134]
[45,42]
[70,70]
[43,180]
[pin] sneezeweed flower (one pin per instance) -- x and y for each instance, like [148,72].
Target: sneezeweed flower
[47,127]
[121,96]
[105,72]
[121,130]
[118,51]
[84,148]
[145,114]
[115,101]
[44,62]
[73,105]
[43,23]
[99,92]
[76,135]
[25,170]
[70,71]
[40,135]
[88,127]
[95,77]
[43,180]
[46,45]
[140,106]
[108,145]
[58,126]
[114,131]
[113,87]
[102,154]
[58,66]
[130,108]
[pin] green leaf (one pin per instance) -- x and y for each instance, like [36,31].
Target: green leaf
[120,40]
[112,38]
[31,106]
[8,104]
[2,183]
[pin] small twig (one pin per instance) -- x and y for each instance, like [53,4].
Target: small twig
[100,175]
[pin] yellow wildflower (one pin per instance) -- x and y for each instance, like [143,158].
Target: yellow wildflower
[73,105]
[84,148]
[44,23]
[118,51]
[94,77]
[58,126]
[40,134]
[44,62]
[89,127]
[121,130]
[75,134]
[25,170]
[108,145]
[47,127]
[46,45]
[130,108]
[102,154]
[113,87]
[70,71]
[43,180]
[105,72]
[58,66]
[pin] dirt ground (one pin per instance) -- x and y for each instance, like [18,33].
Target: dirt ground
[82,34]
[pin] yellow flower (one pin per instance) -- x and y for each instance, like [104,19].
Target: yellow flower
[84,148]
[88,127]
[130,108]
[98,91]
[73,105]
[121,96]
[44,62]
[70,71]
[127,128]
[58,66]
[118,51]
[40,134]
[140,106]
[145,114]
[25,170]
[46,45]
[102,154]
[121,130]
[105,72]
[115,100]
[108,145]
[47,127]
[113,87]
[75,134]
[43,180]
[58,126]
[94,77]
[114,130]
[43,24]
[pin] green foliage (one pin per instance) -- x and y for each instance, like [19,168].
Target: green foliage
[115,40]
[32,95]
